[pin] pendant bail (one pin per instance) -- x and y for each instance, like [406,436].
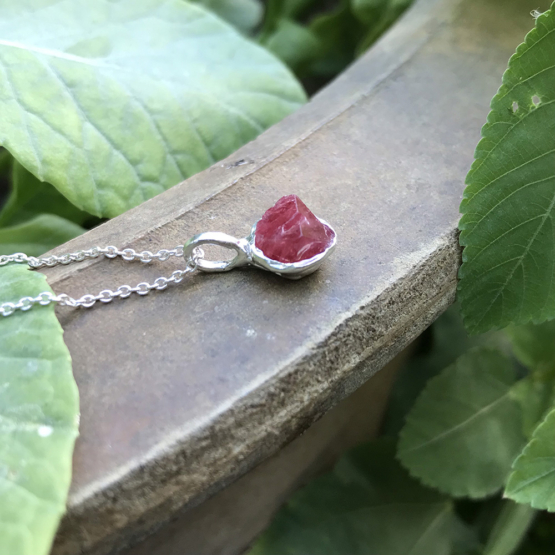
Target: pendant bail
[218,239]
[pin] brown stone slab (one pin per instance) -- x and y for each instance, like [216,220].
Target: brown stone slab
[185,390]
[228,522]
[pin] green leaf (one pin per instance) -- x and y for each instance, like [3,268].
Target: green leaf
[445,340]
[339,32]
[534,345]
[369,11]
[465,429]
[38,419]
[368,504]
[30,197]
[443,343]
[508,271]
[511,526]
[533,478]
[120,100]
[38,235]
[298,8]
[276,10]
[380,21]
[293,43]
[535,395]
[244,15]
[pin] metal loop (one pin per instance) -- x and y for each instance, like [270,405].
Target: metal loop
[124,291]
[87,301]
[146,257]
[128,254]
[6,309]
[66,300]
[50,261]
[44,298]
[19,257]
[34,262]
[177,276]
[110,251]
[25,303]
[142,288]
[161,283]
[162,255]
[240,246]
[106,296]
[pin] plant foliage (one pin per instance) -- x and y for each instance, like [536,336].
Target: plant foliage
[465,430]
[507,227]
[127,107]
[368,504]
[317,43]
[533,478]
[38,419]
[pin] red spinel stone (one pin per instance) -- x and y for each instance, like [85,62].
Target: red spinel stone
[289,232]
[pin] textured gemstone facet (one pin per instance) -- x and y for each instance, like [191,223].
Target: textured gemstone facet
[289,232]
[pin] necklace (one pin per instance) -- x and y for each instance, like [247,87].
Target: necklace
[289,240]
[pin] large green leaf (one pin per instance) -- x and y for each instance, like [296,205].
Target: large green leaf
[535,395]
[534,345]
[293,43]
[38,235]
[465,429]
[245,15]
[30,197]
[507,227]
[113,102]
[38,419]
[368,505]
[440,346]
[533,478]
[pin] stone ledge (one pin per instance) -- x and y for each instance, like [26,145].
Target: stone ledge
[187,389]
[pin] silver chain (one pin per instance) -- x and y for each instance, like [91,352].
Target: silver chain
[106,296]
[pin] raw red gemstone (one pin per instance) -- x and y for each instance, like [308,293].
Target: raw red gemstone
[289,232]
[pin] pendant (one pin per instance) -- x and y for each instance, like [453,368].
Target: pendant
[289,240]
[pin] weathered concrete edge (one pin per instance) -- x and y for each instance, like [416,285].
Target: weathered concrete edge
[273,413]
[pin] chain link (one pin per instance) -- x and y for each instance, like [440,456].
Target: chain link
[106,296]
[110,252]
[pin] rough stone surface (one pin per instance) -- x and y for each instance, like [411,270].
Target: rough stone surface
[186,389]
[289,232]
[229,521]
